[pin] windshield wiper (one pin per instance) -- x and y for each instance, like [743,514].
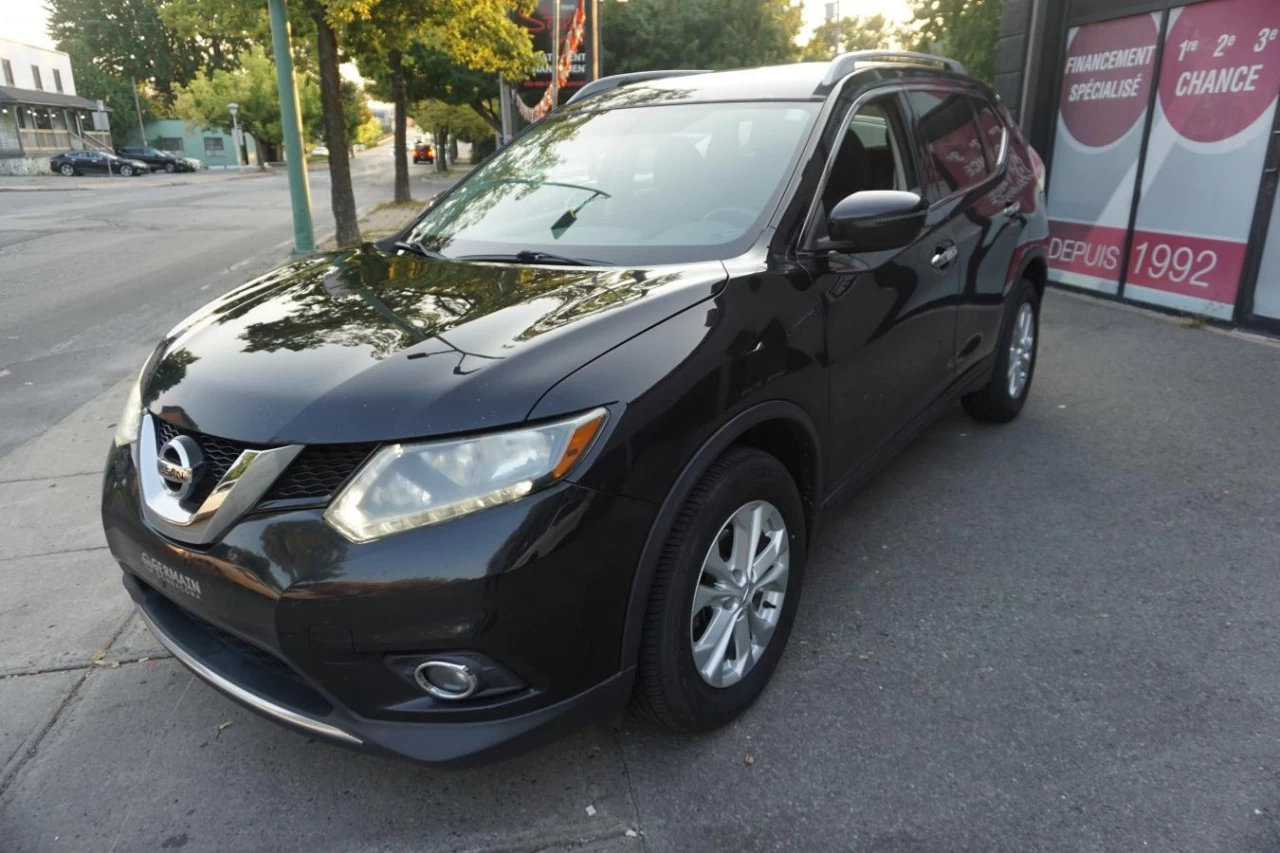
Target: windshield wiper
[532,256]
[419,249]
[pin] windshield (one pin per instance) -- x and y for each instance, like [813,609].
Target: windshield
[639,186]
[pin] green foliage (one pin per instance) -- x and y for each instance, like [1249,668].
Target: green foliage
[369,132]
[117,93]
[870,33]
[966,30]
[643,35]
[477,34]
[128,38]
[455,120]
[253,86]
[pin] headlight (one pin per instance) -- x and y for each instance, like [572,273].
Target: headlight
[131,418]
[412,485]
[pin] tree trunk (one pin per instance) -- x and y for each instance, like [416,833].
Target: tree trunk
[401,130]
[261,148]
[341,195]
[442,148]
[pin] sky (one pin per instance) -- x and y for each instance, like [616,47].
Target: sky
[24,20]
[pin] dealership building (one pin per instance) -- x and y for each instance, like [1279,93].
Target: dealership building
[1158,123]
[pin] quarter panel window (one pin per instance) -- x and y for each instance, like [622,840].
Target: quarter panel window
[992,130]
[952,143]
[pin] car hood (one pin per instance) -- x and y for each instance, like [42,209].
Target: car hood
[362,345]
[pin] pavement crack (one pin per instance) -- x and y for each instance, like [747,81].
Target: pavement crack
[105,663]
[53,553]
[615,732]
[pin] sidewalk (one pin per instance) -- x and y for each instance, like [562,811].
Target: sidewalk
[57,183]
[389,217]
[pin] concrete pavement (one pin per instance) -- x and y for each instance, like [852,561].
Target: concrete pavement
[1056,635]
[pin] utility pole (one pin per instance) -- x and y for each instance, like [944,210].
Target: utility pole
[234,108]
[504,109]
[304,237]
[138,108]
[555,54]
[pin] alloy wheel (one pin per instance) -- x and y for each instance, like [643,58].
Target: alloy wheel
[738,599]
[1022,347]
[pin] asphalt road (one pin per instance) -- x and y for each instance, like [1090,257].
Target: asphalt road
[90,279]
[1056,635]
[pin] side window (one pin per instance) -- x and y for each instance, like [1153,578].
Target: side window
[992,129]
[871,156]
[952,144]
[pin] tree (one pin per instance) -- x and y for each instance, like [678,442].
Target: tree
[127,39]
[870,33]
[642,35]
[450,122]
[369,132]
[253,86]
[966,30]
[390,37]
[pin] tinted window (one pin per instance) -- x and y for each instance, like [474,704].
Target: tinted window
[57,79]
[992,129]
[953,150]
[640,185]
[871,154]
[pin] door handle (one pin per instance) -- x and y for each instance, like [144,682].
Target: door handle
[1013,209]
[943,256]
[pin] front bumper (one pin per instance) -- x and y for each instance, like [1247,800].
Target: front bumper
[291,620]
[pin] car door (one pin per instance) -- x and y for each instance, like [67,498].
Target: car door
[965,145]
[92,162]
[890,315]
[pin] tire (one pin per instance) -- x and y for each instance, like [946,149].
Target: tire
[670,689]
[998,401]
[67,170]
[126,171]
[170,168]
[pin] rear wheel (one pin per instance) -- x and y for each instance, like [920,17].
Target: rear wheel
[1002,398]
[67,169]
[170,168]
[725,594]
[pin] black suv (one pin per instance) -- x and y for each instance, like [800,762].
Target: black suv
[158,161]
[568,438]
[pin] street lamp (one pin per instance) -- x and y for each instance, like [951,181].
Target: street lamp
[234,108]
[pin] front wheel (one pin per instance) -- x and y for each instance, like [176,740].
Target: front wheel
[126,171]
[170,168]
[725,594]
[1002,398]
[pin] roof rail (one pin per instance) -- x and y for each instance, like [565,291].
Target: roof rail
[605,84]
[843,64]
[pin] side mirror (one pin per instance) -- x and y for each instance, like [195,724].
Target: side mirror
[876,220]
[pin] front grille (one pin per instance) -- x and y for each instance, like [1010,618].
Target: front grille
[315,475]
[318,471]
[219,455]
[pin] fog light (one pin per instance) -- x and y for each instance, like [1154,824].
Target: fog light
[446,680]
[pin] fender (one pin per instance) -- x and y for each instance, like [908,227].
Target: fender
[693,470]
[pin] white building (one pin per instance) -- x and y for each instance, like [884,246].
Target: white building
[40,112]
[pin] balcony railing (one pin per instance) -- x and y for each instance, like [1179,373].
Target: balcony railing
[53,141]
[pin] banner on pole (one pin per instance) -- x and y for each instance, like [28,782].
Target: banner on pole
[579,55]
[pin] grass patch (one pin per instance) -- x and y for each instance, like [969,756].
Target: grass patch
[411,204]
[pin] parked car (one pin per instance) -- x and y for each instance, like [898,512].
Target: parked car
[156,160]
[359,146]
[568,438]
[423,153]
[320,151]
[196,165]
[96,163]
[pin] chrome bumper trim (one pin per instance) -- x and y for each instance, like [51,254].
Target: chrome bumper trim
[253,700]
